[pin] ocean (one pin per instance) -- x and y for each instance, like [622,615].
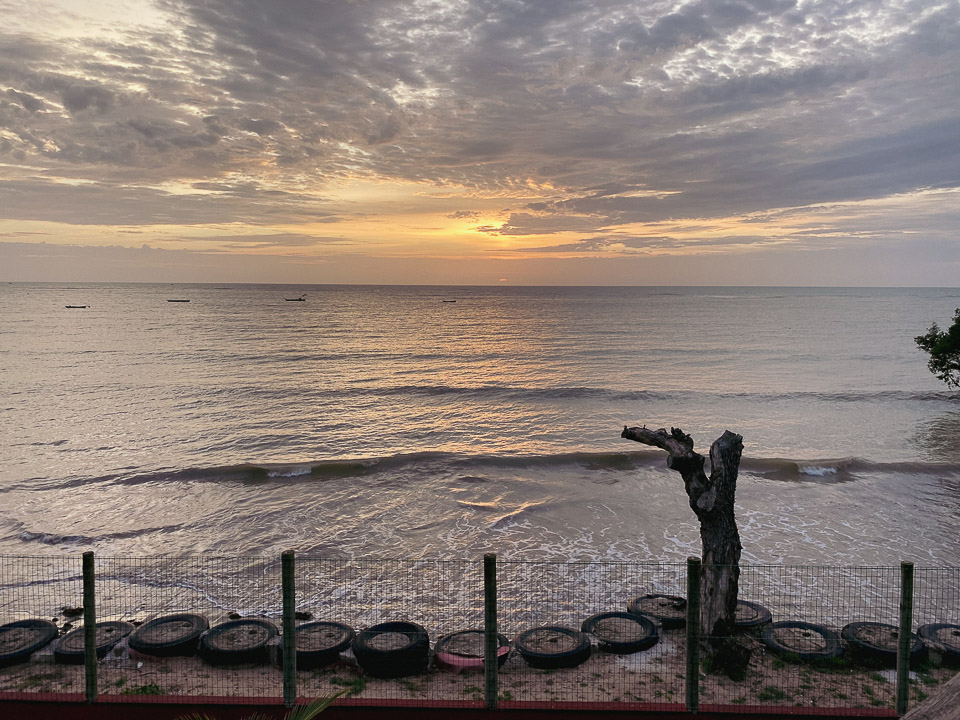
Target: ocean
[447,422]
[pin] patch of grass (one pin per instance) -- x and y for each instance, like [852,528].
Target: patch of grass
[876,677]
[506,695]
[354,686]
[32,681]
[840,695]
[927,679]
[148,689]
[410,685]
[120,681]
[832,665]
[771,692]
[867,690]
[38,681]
[739,700]
[919,695]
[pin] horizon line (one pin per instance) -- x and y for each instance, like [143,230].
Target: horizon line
[471,285]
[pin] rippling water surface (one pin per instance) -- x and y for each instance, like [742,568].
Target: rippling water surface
[393,422]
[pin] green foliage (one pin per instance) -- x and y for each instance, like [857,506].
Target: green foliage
[353,686]
[300,712]
[943,347]
[148,689]
[313,708]
[771,692]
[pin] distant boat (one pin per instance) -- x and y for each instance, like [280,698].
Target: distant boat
[448,301]
[75,307]
[302,298]
[178,301]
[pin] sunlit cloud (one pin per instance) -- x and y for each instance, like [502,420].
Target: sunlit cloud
[467,130]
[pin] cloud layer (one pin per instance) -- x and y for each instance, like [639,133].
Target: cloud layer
[609,126]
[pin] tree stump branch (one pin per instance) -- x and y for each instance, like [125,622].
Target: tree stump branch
[712,500]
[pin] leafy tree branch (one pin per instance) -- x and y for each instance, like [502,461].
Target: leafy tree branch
[943,347]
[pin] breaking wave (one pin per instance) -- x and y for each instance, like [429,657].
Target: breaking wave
[470,466]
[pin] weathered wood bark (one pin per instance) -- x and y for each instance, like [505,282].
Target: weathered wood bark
[712,499]
[942,705]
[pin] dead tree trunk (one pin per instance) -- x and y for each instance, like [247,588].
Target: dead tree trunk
[712,500]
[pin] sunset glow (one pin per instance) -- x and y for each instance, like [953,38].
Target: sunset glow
[445,142]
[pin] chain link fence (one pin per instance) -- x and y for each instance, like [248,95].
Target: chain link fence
[415,633]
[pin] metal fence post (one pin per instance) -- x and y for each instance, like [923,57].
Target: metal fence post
[89,627]
[905,637]
[289,628]
[491,644]
[693,634]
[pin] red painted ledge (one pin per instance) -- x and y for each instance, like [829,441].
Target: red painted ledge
[51,706]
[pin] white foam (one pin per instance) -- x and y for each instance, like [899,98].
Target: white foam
[817,471]
[296,471]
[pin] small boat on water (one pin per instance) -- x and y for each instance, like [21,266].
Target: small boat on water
[178,301]
[448,301]
[302,298]
[75,307]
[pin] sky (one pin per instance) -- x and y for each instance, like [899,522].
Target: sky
[556,142]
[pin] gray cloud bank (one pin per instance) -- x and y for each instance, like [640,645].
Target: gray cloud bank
[633,112]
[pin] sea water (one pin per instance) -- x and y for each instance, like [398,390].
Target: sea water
[446,422]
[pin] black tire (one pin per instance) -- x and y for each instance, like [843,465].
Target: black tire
[551,647]
[802,640]
[320,643]
[464,650]
[942,641]
[877,642]
[751,615]
[668,610]
[20,639]
[238,642]
[622,633]
[69,649]
[392,649]
[169,636]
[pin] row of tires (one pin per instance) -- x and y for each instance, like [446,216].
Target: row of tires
[386,650]
[866,641]
[670,611]
[397,649]
[874,642]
